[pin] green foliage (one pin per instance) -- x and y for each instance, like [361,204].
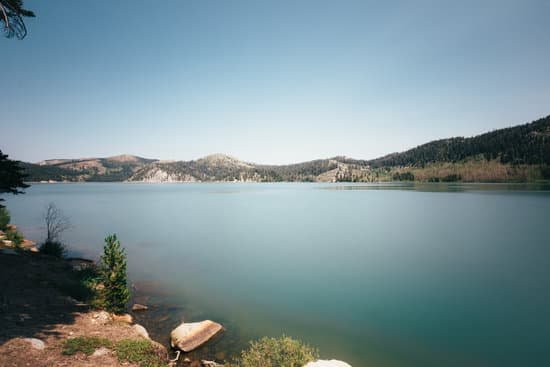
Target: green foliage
[277,352]
[113,276]
[4,218]
[11,175]
[15,236]
[403,176]
[523,144]
[11,15]
[138,351]
[53,248]
[84,344]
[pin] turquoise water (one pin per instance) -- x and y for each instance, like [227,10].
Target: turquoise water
[380,275]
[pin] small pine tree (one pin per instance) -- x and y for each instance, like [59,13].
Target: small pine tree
[113,275]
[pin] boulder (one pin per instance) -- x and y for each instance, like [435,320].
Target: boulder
[101,317]
[8,243]
[125,318]
[189,336]
[100,352]
[141,331]
[36,343]
[325,363]
[139,307]
[28,244]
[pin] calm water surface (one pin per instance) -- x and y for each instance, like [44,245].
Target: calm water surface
[380,275]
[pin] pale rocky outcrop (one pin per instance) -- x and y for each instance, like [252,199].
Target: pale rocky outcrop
[189,336]
[36,343]
[326,363]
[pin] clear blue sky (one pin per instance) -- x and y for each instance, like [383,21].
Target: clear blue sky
[268,81]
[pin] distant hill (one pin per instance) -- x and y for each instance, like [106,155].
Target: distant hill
[520,153]
[523,144]
[117,168]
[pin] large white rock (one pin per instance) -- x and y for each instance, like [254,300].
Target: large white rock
[324,363]
[141,331]
[36,343]
[189,336]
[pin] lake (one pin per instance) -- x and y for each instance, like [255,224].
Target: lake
[376,275]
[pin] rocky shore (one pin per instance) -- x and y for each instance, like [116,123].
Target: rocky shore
[44,323]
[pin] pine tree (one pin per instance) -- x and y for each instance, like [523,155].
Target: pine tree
[113,275]
[11,176]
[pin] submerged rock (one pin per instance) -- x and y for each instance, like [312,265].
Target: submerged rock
[324,363]
[189,336]
[139,307]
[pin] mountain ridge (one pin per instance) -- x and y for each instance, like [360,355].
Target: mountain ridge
[518,153]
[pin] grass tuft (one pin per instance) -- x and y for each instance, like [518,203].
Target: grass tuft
[138,351]
[84,344]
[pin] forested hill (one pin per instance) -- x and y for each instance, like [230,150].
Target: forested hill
[519,154]
[523,144]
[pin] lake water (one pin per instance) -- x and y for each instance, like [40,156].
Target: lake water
[376,275]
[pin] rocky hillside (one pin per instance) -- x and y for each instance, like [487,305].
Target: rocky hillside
[117,168]
[520,153]
[220,167]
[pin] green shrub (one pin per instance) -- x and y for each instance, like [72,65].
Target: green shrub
[53,248]
[4,218]
[84,344]
[138,351]
[81,285]
[277,352]
[15,236]
[113,276]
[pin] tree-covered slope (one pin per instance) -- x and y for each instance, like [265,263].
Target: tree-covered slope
[523,144]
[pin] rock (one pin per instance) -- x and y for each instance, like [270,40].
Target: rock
[36,343]
[210,364]
[189,336]
[324,363]
[8,243]
[141,331]
[101,318]
[28,244]
[100,352]
[139,307]
[125,318]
